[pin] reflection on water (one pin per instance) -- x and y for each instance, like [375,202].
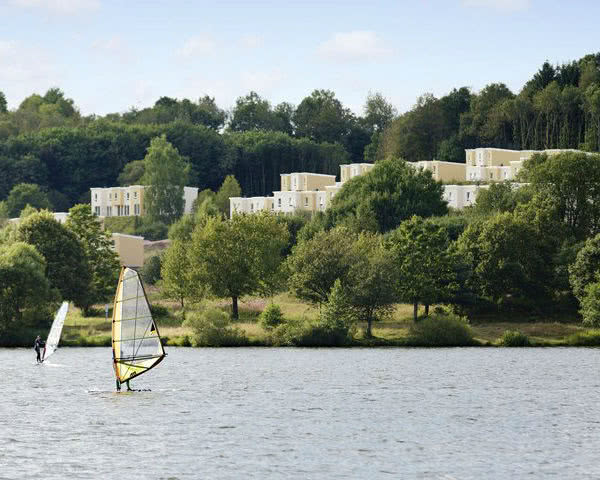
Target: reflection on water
[304,413]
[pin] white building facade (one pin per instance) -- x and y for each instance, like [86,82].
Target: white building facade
[129,201]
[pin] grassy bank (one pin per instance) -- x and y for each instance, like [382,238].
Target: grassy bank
[487,331]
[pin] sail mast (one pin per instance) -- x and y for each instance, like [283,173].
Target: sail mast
[135,338]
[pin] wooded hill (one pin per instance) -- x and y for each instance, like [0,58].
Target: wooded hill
[46,141]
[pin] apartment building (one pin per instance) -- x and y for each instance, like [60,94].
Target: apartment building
[129,201]
[300,191]
[444,171]
[353,170]
[499,164]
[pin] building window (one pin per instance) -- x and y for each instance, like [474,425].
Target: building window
[95,197]
[290,201]
[108,211]
[134,194]
[136,209]
[127,210]
[127,195]
[251,207]
[306,201]
[279,202]
[468,196]
[272,206]
[97,211]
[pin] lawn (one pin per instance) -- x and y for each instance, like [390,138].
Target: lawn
[96,330]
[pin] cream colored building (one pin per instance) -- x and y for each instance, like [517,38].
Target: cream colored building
[129,201]
[300,191]
[353,170]
[444,171]
[130,249]
[500,164]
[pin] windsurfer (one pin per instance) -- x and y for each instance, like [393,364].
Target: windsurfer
[37,346]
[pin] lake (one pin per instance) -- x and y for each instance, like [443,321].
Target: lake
[456,413]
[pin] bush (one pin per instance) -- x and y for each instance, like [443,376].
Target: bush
[151,270]
[152,230]
[590,305]
[212,328]
[159,311]
[514,338]
[589,338]
[271,317]
[442,331]
[298,333]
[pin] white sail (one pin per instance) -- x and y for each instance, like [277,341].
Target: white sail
[136,342]
[56,330]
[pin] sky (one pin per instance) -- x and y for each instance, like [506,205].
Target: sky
[113,55]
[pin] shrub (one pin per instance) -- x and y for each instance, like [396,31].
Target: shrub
[590,305]
[212,328]
[151,270]
[514,338]
[158,311]
[299,333]
[589,338]
[271,317]
[442,331]
[152,230]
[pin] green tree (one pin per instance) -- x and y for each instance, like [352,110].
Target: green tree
[67,267]
[3,103]
[252,113]
[378,112]
[26,194]
[178,280]
[322,118]
[391,192]
[425,267]
[584,271]
[101,257]
[590,305]
[316,263]
[132,173]
[370,288]
[24,284]
[230,188]
[501,273]
[570,179]
[166,174]
[232,257]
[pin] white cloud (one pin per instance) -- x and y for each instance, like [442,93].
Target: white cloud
[59,6]
[262,81]
[358,45]
[505,5]
[252,41]
[25,70]
[198,46]
[114,47]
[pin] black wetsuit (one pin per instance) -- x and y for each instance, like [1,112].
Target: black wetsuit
[38,345]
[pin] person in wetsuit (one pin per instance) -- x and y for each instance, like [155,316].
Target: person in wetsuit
[37,346]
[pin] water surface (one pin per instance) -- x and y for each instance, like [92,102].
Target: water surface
[304,413]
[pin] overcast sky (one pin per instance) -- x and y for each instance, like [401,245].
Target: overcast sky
[111,55]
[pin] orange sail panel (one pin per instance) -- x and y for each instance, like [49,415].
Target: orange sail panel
[135,338]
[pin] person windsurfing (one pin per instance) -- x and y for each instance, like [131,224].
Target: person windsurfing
[37,346]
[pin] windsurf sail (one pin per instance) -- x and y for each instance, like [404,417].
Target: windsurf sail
[55,331]
[135,339]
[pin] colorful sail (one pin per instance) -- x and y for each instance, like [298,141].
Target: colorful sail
[135,339]
[55,331]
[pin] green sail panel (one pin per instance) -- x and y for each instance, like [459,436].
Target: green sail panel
[135,337]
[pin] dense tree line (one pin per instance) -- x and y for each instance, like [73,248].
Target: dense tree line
[558,108]
[46,142]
